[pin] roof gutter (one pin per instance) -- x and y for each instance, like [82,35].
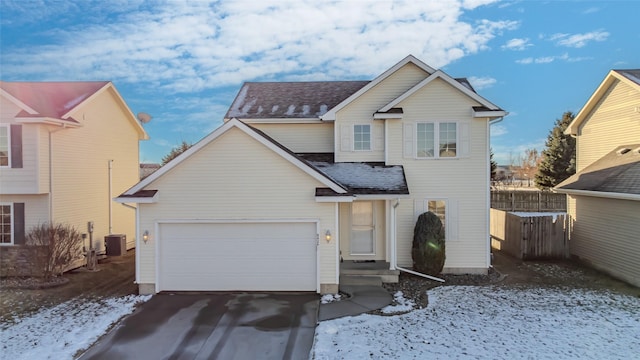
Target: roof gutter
[600,194]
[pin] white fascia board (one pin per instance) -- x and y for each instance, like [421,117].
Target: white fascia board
[331,114]
[387,116]
[137,200]
[382,197]
[283,121]
[439,74]
[334,199]
[489,114]
[47,120]
[17,102]
[600,194]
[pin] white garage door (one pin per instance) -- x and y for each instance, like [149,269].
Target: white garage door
[258,256]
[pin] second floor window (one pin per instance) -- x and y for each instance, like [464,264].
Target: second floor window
[4,146]
[436,140]
[362,137]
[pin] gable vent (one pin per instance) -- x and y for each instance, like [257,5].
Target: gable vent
[623,151]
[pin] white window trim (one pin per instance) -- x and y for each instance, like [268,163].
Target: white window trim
[8,147]
[353,137]
[436,140]
[11,219]
[446,213]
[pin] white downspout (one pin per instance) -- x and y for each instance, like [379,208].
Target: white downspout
[394,263]
[138,246]
[110,197]
[51,171]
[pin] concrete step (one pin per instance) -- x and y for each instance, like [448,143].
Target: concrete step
[360,280]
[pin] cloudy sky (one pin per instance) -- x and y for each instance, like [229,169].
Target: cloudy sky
[184,61]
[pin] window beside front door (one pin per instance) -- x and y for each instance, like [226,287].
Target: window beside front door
[362,228]
[436,140]
[362,137]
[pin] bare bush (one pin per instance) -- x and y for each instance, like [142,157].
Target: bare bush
[54,247]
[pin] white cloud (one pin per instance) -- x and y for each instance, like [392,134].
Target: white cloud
[498,130]
[579,40]
[549,59]
[185,47]
[517,44]
[481,82]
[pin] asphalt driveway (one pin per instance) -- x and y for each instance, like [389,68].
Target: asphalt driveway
[214,326]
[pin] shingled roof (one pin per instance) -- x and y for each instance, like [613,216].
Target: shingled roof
[616,172]
[51,99]
[264,100]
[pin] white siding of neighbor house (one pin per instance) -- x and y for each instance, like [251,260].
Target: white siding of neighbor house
[361,111]
[236,177]
[462,182]
[81,169]
[21,180]
[301,138]
[605,235]
[614,121]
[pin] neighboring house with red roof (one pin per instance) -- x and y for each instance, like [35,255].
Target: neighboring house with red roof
[66,149]
[604,194]
[307,183]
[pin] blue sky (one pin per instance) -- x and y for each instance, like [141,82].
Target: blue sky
[183,62]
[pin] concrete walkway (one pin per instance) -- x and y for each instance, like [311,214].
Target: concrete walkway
[362,299]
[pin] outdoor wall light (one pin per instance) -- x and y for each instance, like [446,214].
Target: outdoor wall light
[145,236]
[327,236]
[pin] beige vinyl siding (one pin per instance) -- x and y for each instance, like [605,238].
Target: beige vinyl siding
[605,235]
[361,111]
[21,180]
[301,138]
[614,121]
[462,182]
[380,232]
[236,177]
[81,168]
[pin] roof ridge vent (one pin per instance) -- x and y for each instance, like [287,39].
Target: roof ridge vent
[623,151]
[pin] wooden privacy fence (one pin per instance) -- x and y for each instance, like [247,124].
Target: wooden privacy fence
[530,237]
[528,201]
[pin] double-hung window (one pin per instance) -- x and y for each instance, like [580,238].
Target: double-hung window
[437,140]
[6,232]
[438,207]
[4,146]
[362,137]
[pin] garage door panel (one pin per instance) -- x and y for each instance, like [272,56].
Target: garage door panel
[238,256]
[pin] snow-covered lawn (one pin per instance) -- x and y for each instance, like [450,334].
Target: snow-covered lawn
[492,322]
[59,332]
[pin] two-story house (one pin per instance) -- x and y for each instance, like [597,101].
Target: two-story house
[603,197]
[305,179]
[66,149]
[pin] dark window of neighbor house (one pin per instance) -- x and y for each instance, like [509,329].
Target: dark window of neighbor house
[5,224]
[362,137]
[4,146]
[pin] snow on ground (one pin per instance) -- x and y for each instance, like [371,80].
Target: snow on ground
[466,322]
[402,304]
[329,298]
[60,332]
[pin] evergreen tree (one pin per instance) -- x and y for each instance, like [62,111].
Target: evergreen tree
[493,165]
[184,146]
[559,156]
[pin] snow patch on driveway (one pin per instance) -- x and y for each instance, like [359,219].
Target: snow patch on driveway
[62,331]
[467,322]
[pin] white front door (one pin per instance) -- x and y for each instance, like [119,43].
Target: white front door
[362,228]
